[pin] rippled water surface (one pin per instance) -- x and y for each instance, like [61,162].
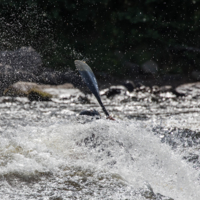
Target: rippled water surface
[151,151]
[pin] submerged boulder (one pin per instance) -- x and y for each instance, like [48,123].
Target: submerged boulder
[90,113]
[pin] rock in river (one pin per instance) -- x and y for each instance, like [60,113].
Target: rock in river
[39,92]
[25,64]
[189,89]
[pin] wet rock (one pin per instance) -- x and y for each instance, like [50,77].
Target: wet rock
[143,93]
[90,113]
[190,89]
[165,88]
[129,85]
[33,91]
[114,90]
[155,89]
[42,92]
[84,119]
[150,67]
[20,89]
[25,65]
[178,94]
[38,95]
[143,88]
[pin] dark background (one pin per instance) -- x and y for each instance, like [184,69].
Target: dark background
[114,37]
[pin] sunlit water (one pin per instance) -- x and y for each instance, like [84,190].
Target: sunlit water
[47,151]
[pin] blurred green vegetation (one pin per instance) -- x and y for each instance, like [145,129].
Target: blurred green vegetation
[63,30]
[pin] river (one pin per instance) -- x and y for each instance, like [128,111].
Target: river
[151,150]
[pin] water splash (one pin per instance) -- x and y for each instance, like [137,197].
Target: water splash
[97,159]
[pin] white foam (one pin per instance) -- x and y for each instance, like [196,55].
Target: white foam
[128,149]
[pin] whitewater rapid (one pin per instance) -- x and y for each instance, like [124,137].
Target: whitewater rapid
[84,158]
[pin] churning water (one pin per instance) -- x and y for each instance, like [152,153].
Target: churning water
[48,152]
